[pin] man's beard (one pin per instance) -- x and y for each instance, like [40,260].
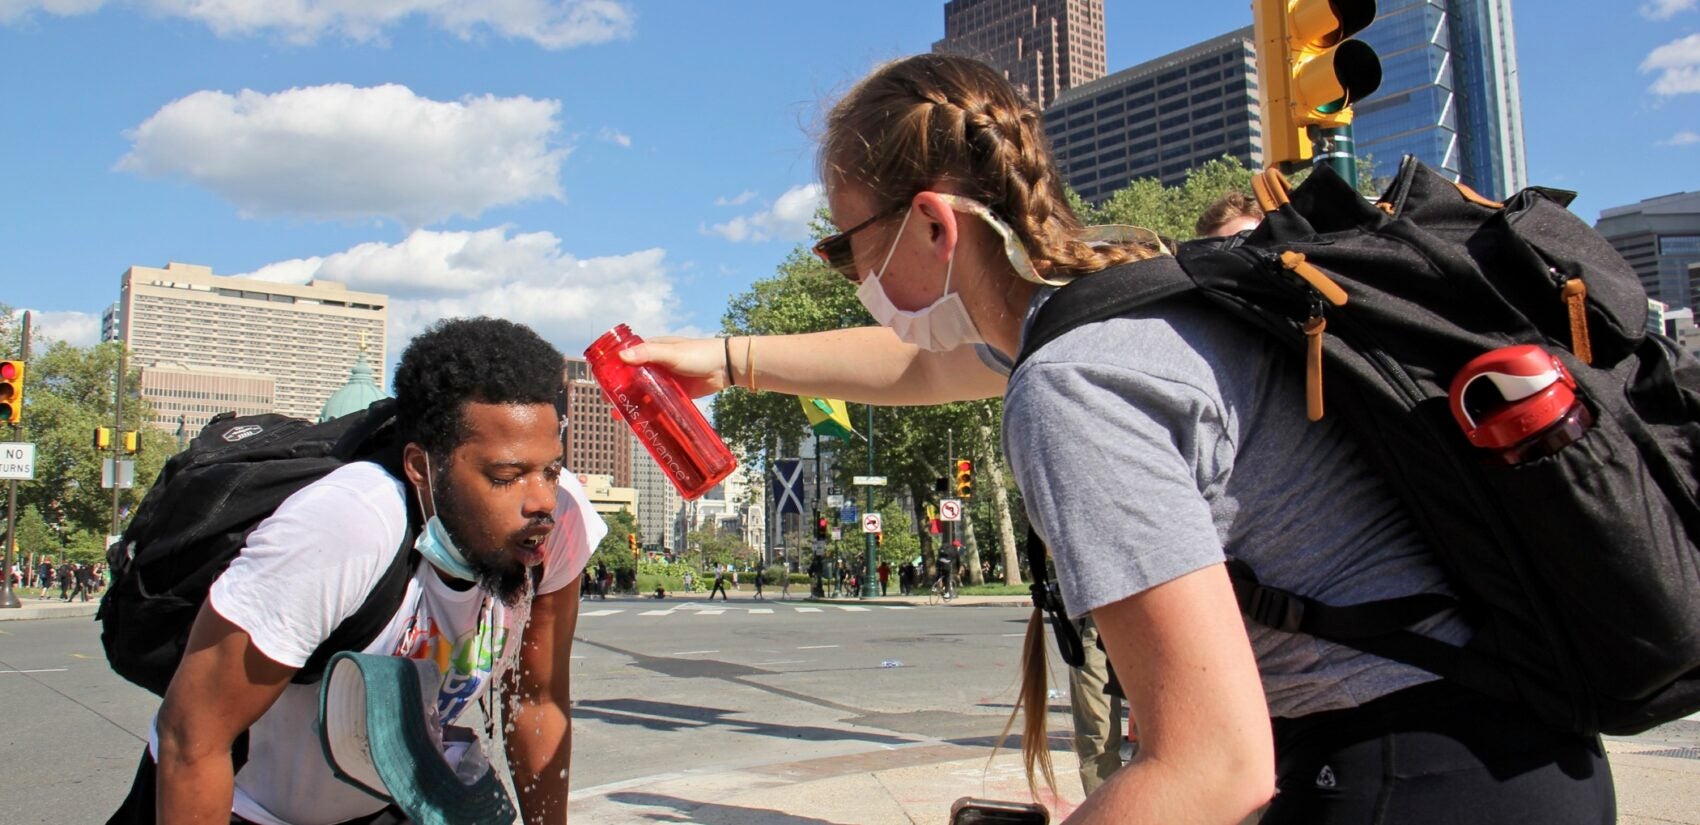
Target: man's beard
[498,573]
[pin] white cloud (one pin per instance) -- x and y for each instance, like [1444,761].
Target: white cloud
[788,219]
[1682,138]
[342,152]
[79,329]
[1678,65]
[524,277]
[1666,9]
[552,24]
[615,136]
[739,200]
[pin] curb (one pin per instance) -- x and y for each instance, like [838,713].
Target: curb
[27,612]
[959,601]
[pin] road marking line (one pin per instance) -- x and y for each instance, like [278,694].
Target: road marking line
[1013,635]
[815,647]
[710,612]
[44,670]
[808,610]
[602,612]
[783,662]
[692,652]
[761,610]
[897,607]
[851,608]
[656,613]
[80,656]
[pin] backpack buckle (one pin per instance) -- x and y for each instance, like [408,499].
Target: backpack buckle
[1274,608]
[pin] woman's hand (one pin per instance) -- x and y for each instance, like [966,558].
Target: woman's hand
[698,363]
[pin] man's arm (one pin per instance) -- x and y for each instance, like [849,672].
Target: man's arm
[540,748]
[224,685]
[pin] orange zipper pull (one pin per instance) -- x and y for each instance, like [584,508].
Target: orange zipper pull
[1318,281]
[1576,299]
[1313,365]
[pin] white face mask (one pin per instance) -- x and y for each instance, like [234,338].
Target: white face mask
[942,325]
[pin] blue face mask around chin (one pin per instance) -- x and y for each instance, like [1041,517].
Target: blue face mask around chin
[435,544]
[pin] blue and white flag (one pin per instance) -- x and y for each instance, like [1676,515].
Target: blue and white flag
[788,485]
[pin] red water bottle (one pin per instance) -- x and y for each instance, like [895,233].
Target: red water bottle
[670,426]
[1518,404]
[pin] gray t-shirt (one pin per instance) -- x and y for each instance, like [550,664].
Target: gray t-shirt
[1149,447]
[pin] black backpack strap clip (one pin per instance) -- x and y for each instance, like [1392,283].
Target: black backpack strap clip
[1268,606]
[1048,598]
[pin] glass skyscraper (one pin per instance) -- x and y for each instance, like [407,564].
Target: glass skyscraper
[1448,92]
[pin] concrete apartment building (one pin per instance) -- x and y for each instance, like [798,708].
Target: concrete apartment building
[1043,47]
[1660,238]
[658,503]
[597,442]
[1161,118]
[207,343]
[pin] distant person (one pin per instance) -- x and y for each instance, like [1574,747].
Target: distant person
[885,574]
[758,576]
[1230,215]
[719,583]
[44,577]
[67,579]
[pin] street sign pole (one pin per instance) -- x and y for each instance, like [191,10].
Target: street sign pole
[1333,147]
[870,587]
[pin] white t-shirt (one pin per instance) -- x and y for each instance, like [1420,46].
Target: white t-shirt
[310,566]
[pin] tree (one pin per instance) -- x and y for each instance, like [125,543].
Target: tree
[1172,211]
[615,550]
[68,392]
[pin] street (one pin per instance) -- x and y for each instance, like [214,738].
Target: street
[670,692]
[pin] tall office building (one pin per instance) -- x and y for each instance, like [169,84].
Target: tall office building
[658,503]
[1448,92]
[597,443]
[207,343]
[1043,47]
[1161,118]
[1660,237]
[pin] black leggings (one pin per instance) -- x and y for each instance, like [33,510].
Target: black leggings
[1436,753]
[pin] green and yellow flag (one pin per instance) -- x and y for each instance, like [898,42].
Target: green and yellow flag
[828,416]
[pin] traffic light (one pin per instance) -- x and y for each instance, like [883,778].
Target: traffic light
[11,391]
[631,539]
[132,442]
[102,439]
[822,531]
[964,478]
[1308,72]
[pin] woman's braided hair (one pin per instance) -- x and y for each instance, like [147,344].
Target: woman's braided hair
[936,117]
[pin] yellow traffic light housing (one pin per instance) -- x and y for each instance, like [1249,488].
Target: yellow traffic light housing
[964,478]
[102,439]
[1308,72]
[11,391]
[631,540]
[132,442]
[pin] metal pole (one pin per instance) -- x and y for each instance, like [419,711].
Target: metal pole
[949,476]
[1333,147]
[118,431]
[870,586]
[7,597]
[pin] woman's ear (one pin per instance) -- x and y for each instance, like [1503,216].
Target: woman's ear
[940,222]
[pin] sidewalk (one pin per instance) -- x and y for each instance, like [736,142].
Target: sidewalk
[1655,786]
[30,607]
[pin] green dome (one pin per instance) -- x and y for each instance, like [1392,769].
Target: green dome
[356,395]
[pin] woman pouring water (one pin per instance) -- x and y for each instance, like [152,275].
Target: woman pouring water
[1148,448]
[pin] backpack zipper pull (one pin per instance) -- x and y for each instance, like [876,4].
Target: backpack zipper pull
[1313,329]
[1576,300]
[1324,285]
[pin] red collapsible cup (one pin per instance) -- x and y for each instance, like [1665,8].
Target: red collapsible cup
[670,426]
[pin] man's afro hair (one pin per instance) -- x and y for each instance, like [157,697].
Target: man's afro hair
[457,360]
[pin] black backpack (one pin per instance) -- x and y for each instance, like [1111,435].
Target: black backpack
[197,517]
[1580,570]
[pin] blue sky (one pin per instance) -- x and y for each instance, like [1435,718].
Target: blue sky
[577,163]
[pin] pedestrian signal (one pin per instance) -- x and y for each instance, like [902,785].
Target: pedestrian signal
[964,478]
[11,391]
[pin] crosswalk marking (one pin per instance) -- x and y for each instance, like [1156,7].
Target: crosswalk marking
[808,610]
[656,613]
[603,612]
[760,610]
[710,612]
[851,608]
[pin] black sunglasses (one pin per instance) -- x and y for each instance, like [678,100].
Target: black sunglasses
[835,249]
